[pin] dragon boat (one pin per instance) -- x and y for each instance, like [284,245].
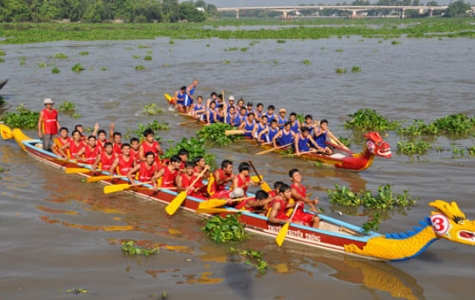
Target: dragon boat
[2,83]
[342,158]
[446,220]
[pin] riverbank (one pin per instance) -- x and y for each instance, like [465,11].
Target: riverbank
[24,33]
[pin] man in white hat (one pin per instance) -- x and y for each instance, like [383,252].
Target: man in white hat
[231,103]
[48,124]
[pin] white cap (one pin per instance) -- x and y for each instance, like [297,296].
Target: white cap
[236,193]
[48,101]
[231,97]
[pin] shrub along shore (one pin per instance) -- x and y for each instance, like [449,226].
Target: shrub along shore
[24,33]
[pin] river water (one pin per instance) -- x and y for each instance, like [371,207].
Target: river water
[58,233]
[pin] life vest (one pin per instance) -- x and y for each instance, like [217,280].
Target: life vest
[91,154]
[125,166]
[107,161]
[50,121]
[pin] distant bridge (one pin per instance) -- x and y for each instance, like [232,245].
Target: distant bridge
[354,9]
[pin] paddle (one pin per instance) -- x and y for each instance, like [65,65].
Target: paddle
[178,200]
[77,170]
[301,153]
[108,189]
[212,203]
[273,149]
[188,122]
[100,178]
[5,132]
[279,239]
[232,132]
[216,210]
[264,184]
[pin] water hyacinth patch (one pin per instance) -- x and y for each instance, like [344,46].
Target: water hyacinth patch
[369,119]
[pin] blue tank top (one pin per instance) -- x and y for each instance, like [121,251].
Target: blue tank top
[272,133]
[311,130]
[260,128]
[192,91]
[286,138]
[198,107]
[220,119]
[270,117]
[303,144]
[229,118]
[281,121]
[320,140]
[249,127]
[180,98]
[295,127]
[211,116]
[238,120]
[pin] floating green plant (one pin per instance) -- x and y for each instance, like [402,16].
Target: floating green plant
[2,60]
[355,69]
[244,49]
[55,70]
[22,61]
[66,106]
[410,148]
[84,53]
[395,43]
[231,49]
[306,62]
[254,258]
[147,57]
[151,109]
[341,70]
[139,67]
[369,119]
[42,64]
[2,53]
[280,41]
[60,56]
[142,46]
[216,134]
[103,68]
[171,42]
[226,62]
[340,50]
[130,248]
[78,68]
[136,56]
[372,224]
[225,229]
[23,118]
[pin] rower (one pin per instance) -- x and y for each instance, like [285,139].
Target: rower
[165,176]
[200,166]
[230,116]
[275,191]
[259,202]
[299,193]
[321,135]
[189,95]
[74,145]
[180,99]
[302,142]
[48,124]
[259,111]
[260,129]
[116,138]
[135,149]
[212,97]
[243,180]
[146,169]
[231,103]
[284,137]
[270,113]
[281,119]
[185,179]
[294,123]
[183,154]
[249,108]
[241,117]
[198,109]
[124,162]
[211,113]
[150,144]
[220,179]
[106,158]
[309,124]
[79,128]
[220,113]
[248,125]
[60,141]
[240,104]
[101,138]
[90,152]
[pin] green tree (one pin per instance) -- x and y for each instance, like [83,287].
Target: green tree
[458,9]
[432,3]
[188,11]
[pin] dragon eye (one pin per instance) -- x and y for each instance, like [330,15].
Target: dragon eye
[461,222]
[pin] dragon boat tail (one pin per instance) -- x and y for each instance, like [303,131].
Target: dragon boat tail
[446,221]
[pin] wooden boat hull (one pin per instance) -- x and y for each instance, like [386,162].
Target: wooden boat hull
[329,237]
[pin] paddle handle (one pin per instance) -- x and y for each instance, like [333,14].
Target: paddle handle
[199,176]
[254,169]
[273,149]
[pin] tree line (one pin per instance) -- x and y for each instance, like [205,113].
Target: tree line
[130,11]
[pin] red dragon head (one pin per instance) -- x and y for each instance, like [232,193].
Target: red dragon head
[377,145]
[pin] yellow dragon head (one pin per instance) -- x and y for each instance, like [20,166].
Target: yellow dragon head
[449,222]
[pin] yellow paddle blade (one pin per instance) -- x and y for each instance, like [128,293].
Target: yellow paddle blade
[167,97]
[282,233]
[115,188]
[5,132]
[256,178]
[98,178]
[212,203]
[76,170]
[215,210]
[176,203]
[265,187]
[231,132]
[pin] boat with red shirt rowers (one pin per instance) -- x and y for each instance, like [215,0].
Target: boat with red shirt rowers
[445,221]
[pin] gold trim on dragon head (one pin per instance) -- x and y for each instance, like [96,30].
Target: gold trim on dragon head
[376,145]
[450,223]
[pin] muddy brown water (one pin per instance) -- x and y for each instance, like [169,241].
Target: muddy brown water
[57,233]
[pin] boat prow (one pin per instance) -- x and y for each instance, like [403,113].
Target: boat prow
[2,83]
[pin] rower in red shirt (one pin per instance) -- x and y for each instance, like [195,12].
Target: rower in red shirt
[146,169]
[243,180]
[220,178]
[60,141]
[106,158]
[200,166]
[299,193]
[90,152]
[257,203]
[123,163]
[134,149]
[150,144]
[74,146]
[101,138]
[116,138]
[167,174]
[186,178]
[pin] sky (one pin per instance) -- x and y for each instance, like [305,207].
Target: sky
[237,3]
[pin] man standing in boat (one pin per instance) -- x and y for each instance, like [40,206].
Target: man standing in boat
[48,124]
